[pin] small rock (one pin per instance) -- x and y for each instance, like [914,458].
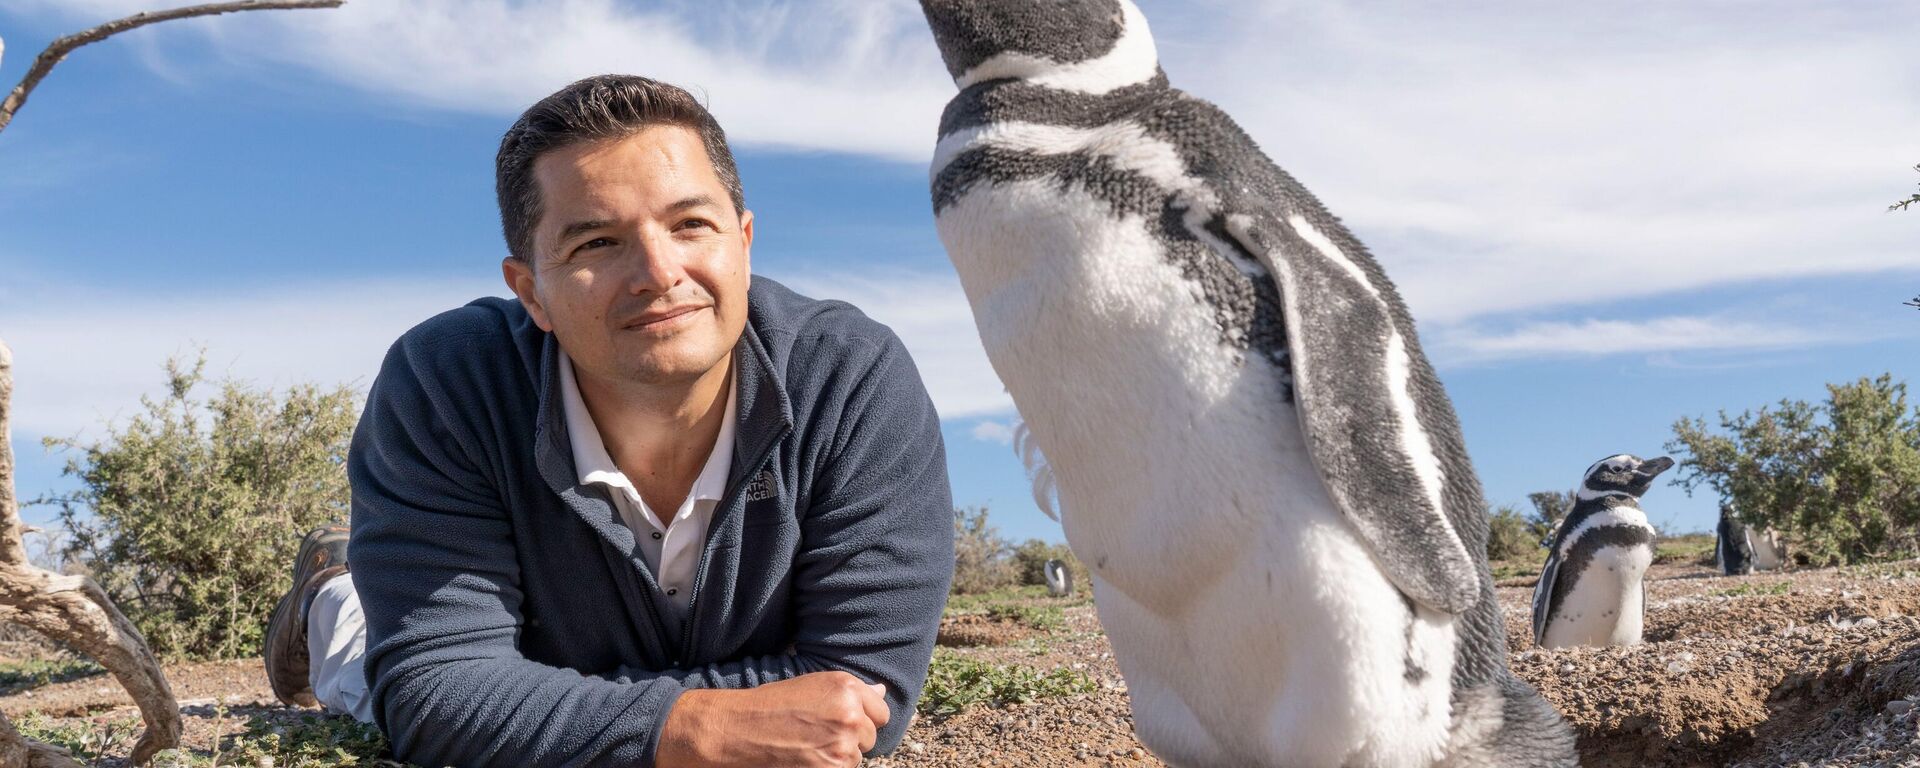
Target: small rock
[916,747]
[1899,707]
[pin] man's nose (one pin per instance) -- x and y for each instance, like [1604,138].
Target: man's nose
[656,265]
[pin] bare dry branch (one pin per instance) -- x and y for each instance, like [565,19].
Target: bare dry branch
[63,46]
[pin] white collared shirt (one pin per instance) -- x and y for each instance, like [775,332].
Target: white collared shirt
[671,552]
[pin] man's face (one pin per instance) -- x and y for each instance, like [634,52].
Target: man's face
[639,263]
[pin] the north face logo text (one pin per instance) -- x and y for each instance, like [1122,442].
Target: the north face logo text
[762,487]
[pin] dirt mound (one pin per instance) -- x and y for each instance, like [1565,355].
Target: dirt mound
[972,630]
[1777,669]
[241,682]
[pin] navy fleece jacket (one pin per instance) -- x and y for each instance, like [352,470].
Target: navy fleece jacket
[512,621]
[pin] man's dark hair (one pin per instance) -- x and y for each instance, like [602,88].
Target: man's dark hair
[595,109]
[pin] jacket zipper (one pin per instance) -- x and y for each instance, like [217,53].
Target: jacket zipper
[700,570]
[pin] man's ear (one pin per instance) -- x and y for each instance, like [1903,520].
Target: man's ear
[519,277]
[746,237]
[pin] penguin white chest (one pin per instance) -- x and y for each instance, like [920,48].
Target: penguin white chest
[1606,603]
[1767,555]
[1244,611]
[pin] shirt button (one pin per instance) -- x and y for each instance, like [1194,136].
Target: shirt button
[656,535]
[671,591]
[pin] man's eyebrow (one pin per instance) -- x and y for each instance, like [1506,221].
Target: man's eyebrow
[695,201]
[569,231]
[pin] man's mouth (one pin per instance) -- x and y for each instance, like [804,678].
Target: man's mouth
[660,318]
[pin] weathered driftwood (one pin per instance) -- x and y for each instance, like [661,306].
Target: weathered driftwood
[72,609]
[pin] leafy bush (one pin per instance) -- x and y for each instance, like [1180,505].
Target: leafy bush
[1549,508]
[981,561]
[1841,479]
[1510,536]
[189,516]
[955,682]
[1030,560]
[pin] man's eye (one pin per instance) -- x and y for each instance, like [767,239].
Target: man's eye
[598,242]
[692,223]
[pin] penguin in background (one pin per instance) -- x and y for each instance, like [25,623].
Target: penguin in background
[1769,548]
[1284,535]
[1592,590]
[1732,549]
[1742,549]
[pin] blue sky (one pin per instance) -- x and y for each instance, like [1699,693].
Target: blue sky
[1604,219]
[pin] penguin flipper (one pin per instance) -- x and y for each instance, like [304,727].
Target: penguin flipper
[1352,388]
[1543,593]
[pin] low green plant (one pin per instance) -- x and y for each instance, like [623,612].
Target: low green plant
[1686,548]
[17,676]
[1517,569]
[1776,588]
[314,742]
[1046,618]
[981,602]
[84,740]
[956,682]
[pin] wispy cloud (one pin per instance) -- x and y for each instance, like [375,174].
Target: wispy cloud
[1515,156]
[82,357]
[930,313]
[1598,337]
[990,431]
[1500,158]
[856,76]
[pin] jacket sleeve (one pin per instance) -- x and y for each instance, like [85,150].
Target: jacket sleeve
[876,551]
[876,541]
[435,567]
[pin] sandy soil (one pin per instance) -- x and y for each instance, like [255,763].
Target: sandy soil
[1807,668]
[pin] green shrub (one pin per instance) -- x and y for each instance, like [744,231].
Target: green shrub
[190,514]
[1510,536]
[1030,560]
[981,558]
[1841,478]
[955,682]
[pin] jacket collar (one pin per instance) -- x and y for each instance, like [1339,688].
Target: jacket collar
[763,415]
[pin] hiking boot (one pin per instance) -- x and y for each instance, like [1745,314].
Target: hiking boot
[323,555]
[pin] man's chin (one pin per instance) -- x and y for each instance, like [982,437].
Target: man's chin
[657,365]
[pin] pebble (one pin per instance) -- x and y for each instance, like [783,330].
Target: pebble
[1899,707]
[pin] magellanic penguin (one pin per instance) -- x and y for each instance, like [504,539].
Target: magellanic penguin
[1285,538]
[1592,590]
[1731,547]
[1741,548]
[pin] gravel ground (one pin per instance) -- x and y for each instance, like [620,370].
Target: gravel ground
[1807,668]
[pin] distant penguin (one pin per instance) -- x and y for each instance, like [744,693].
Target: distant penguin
[1592,590]
[1769,548]
[1059,579]
[1251,454]
[1732,549]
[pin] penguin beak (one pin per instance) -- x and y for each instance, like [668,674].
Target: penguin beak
[1653,467]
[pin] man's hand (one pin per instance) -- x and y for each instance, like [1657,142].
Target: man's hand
[824,719]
